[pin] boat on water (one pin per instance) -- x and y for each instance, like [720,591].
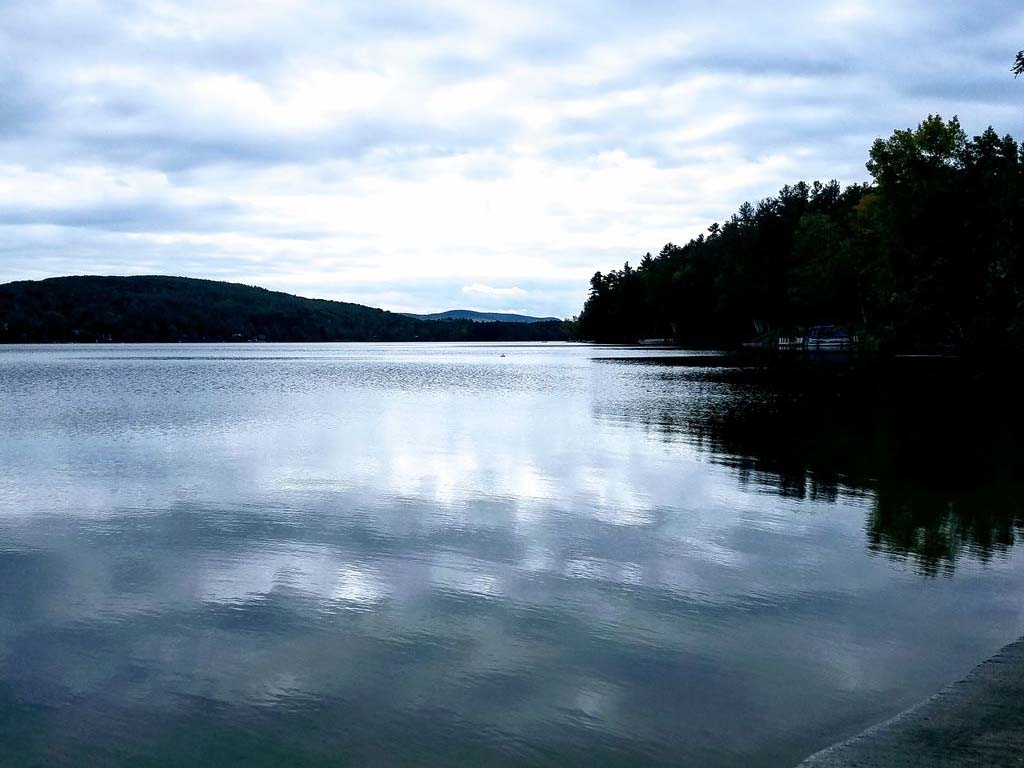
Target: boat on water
[655,342]
[823,337]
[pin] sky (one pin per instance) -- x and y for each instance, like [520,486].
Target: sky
[422,156]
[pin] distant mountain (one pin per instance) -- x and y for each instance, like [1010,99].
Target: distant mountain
[164,309]
[483,317]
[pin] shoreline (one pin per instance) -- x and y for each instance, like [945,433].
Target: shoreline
[976,721]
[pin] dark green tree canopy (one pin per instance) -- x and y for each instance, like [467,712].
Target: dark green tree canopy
[1018,65]
[163,309]
[929,255]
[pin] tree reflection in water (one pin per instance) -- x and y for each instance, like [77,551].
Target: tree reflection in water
[932,443]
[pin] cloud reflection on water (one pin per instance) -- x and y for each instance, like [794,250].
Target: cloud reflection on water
[563,555]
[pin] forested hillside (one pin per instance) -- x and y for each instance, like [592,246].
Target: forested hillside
[927,256]
[157,308]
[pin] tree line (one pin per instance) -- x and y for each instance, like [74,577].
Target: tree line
[928,255]
[170,309]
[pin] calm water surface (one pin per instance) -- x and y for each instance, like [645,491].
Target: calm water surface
[445,555]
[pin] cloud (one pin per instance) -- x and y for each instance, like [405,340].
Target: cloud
[136,216]
[477,289]
[401,152]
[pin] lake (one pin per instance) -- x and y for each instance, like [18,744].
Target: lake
[448,555]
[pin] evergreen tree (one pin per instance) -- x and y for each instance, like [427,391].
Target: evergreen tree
[929,255]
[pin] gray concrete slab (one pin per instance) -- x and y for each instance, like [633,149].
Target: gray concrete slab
[978,721]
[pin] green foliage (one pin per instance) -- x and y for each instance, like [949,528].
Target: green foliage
[164,309]
[1018,64]
[928,256]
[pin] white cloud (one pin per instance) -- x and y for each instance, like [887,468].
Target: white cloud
[478,289]
[395,153]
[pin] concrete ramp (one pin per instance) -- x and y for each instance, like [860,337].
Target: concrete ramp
[978,721]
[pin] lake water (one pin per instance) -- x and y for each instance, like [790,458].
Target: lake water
[443,555]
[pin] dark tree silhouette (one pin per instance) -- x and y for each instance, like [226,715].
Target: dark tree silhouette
[163,309]
[1018,65]
[928,256]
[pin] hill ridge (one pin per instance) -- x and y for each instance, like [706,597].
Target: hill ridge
[171,308]
[482,317]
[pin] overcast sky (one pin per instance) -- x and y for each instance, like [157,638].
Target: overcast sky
[429,155]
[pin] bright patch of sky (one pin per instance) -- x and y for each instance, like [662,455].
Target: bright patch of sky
[434,155]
